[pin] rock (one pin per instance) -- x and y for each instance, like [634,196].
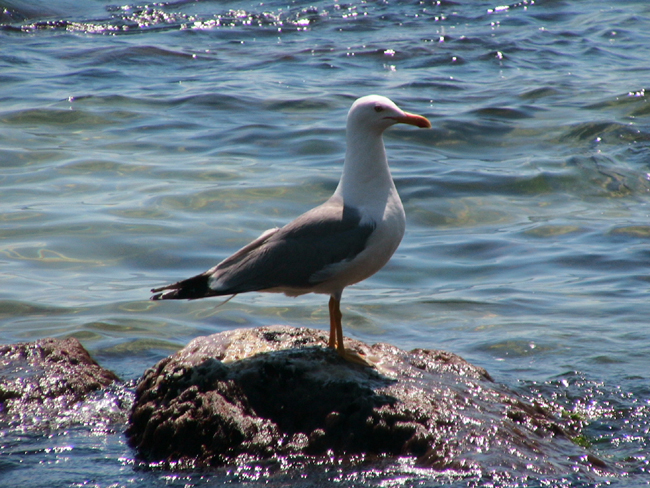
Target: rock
[278,391]
[41,381]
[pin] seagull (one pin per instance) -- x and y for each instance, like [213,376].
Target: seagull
[341,242]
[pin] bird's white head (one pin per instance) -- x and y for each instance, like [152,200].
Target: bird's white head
[366,177]
[377,113]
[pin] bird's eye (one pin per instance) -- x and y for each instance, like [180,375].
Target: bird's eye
[379,108]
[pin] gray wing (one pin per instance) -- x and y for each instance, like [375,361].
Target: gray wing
[295,255]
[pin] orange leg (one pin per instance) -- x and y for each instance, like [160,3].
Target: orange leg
[336,335]
[336,329]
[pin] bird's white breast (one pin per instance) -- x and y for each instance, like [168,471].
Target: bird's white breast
[382,243]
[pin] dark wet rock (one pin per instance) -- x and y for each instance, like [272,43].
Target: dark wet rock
[274,392]
[41,382]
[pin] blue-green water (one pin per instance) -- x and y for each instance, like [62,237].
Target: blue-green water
[142,143]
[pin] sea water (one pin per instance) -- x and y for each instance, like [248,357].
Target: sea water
[141,143]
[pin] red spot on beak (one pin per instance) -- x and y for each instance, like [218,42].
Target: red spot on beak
[413,119]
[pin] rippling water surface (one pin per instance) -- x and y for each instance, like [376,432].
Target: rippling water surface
[142,143]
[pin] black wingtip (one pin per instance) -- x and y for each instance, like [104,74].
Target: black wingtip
[191,288]
[169,292]
[159,292]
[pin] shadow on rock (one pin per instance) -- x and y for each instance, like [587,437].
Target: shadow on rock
[297,400]
[277,391]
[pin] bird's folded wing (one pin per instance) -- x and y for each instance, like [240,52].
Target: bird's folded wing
[297,255]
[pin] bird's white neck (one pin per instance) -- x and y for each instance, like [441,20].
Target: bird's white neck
[366,180]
